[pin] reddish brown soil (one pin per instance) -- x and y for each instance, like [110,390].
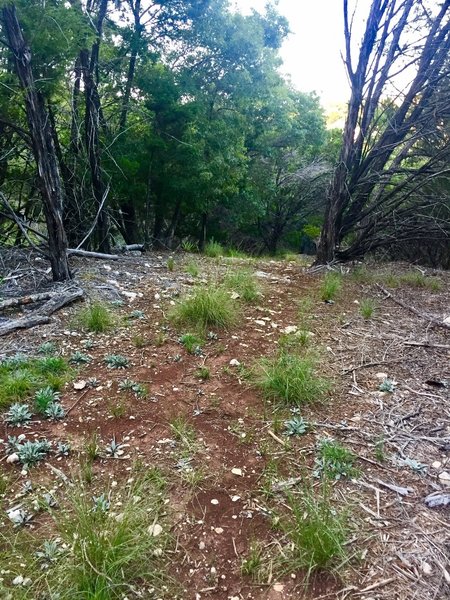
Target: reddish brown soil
[231,420]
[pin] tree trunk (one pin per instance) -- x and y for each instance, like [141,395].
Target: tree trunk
[170,233]
[89,65]
[202,237]
[132,64]
[43,147]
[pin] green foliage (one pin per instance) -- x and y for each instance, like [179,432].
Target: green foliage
[334,461]
[318,532]
[170,263]
[21,377]
[203,373]
[208,306]
[252,563]
[213,249]
[295,426]
[18,414]
[79,358]
[43,397]
[55,411]
[244,283]
[192,343]
[387,385]
[96,318]
[192,269]
[367,307]
[291,379]
[331,286]
[117,361]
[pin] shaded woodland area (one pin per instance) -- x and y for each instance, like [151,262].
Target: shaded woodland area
[168,123]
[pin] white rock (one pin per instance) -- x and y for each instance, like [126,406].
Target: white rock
[234,362]
[218,530]
[290,329]
[278,587]
[235,498]
[447,320]
[236,471]
[234,295]
[426,568]
[18,580]
[436,464]
[381,375]
[202,545]
[79,385]
[214,501]
[260,322]
[155,530]
[12,458]
[444,478]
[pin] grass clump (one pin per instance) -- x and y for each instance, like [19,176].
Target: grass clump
[96,318]
[43,397]
[252,564]
[207,307]
[192,269]
[331,286]
[421,281]
[243,282]
[192,343]
[291,379]
[317,532]
[367,308]
[21,378]
[334,461]
[213,249]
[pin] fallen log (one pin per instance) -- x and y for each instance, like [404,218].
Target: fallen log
[42,316]
[88,254]
[23,323]
[22,300]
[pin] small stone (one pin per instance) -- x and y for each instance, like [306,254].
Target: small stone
[79,385]
[214,501]
[234,295]
[235,498]
[444,478]
[278,587]
[155,530]
[12,458]
[18,580]
[213,571]
[260,323]
[237,471]
[426,568]
[234,362]
[447,320]
[202,545]
[436,464]
[218,530]
[381,375]
[290,329]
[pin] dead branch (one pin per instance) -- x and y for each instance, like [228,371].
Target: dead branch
[88,254]
[22,300]
[23,323]
[416,312]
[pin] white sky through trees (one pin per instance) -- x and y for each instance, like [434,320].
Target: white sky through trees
[311,54]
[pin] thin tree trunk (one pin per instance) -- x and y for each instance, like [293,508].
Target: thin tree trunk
[132,64]
[43,147]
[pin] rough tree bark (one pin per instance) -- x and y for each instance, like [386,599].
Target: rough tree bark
[43,146]
[373,179]
[89,67]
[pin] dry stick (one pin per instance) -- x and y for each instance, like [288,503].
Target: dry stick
[77,401]
[88,254]
[276,438]
[372,364]
[428,345]
[23,323]
[21,300]
[413,310]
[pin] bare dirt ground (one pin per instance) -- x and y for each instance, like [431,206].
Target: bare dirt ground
[218,498]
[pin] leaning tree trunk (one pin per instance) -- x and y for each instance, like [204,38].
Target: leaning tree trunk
[43,147]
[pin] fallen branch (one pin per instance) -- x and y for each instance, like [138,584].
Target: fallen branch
[23,323]
[428,345]
[403,491]
[22,300]
[413,310]
[43,317]
[88,254]
[436,499]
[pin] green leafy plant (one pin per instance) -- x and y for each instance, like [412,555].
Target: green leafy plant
[203,373]
[295,426]
[63,449]
[117,361]
[18,415]
[96,318]
[387,385]
[136,314]
[30,453]
[189,246]
[208,306]
[331,286]
[334,461]
[47,348]
[291,379]
[192,343]
[114,449]
[133,386]
[43,397]
[79,358]
[55,411]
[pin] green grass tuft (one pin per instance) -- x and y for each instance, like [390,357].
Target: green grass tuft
[192,269]
[214,249]
[367,308]
[334,461]
[331,286]
[207,307]
[291,379]
[96,318]
[243,282]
